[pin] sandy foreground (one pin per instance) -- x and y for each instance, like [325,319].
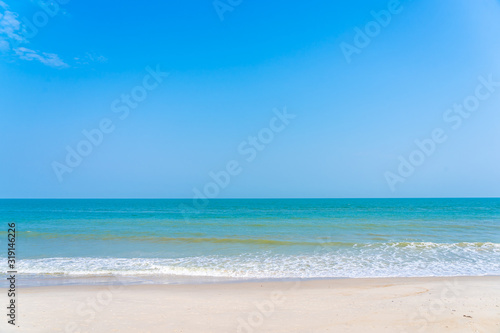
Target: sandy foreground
[465,304]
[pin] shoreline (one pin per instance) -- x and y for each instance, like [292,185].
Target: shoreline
[47,280]
[438,304]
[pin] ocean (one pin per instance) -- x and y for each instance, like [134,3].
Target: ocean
[171,241]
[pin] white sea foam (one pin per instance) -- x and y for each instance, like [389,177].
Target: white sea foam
[375,260]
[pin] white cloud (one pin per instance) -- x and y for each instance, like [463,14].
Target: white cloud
[11,37]
[10,27]
[88,58]
[49,59]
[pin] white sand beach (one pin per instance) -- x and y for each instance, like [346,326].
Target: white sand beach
[461,304]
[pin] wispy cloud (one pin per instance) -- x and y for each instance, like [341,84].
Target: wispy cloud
[90,57]
[10,27]
[11,36]
[49,59]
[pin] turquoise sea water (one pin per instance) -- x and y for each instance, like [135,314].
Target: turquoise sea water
[253,238]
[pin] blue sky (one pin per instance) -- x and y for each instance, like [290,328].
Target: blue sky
[354,118]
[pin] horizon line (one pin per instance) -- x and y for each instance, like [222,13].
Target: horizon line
[252,198]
